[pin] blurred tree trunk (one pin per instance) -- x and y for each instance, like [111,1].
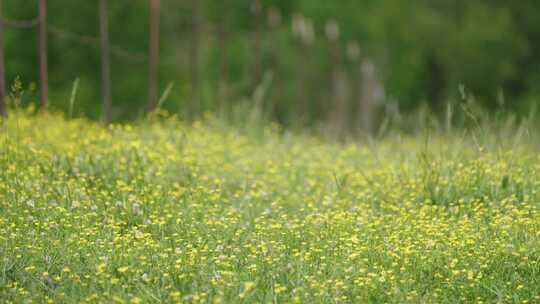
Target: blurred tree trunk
[194,56]
[153,53]
[105,62]
[3,108]
[43,69]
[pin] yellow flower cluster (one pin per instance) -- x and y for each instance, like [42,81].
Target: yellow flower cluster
[163,211]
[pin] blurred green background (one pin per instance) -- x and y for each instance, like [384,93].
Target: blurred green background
[297,61]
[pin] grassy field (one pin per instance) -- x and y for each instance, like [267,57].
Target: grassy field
[163,211]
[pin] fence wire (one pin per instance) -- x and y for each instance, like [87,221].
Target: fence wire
[20,24]
[115,50]
[94,41]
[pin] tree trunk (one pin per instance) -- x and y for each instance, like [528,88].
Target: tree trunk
[153,52]
[105,62]
[43,73]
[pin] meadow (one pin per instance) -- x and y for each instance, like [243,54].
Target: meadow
[164,211]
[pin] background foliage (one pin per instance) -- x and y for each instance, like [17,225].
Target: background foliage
[423,50]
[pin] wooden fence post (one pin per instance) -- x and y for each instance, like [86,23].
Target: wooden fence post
[194,55]
[153,52]
[43,73]
[372,95]
[274,21]
[340,86]
[303,29]
[3,108]
[105,62]
[223,57]
[255,71]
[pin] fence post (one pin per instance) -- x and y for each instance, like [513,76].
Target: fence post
[153,52]
[43,54]
[223,56]
[304,30]
[274,21]
[105,62]
[194,55]
[3,108]
[255,64]
[340,86]
[372,95]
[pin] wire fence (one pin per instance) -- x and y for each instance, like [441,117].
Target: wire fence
[20,24]
[44,29]
[115,50]
[62,33]
[119,52]
[302,30]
